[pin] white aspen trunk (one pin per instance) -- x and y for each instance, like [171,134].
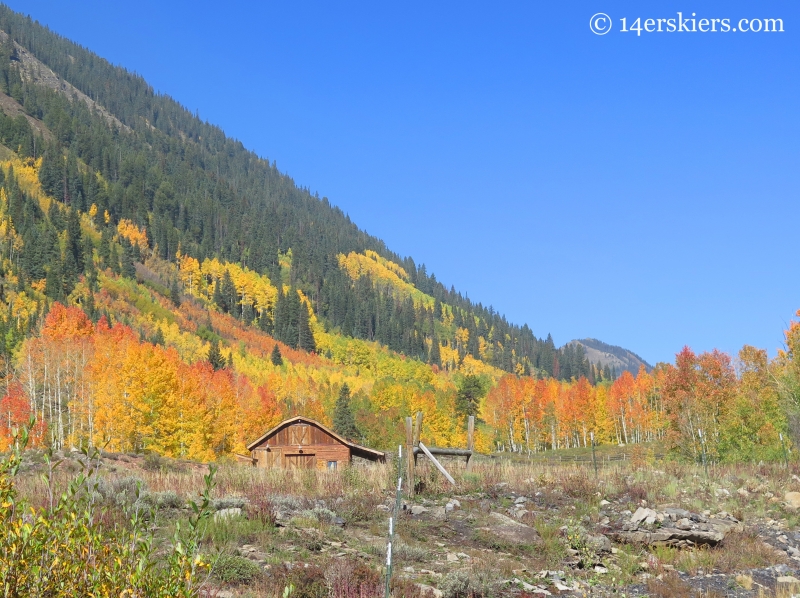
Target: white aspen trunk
[527,434]
[624,427]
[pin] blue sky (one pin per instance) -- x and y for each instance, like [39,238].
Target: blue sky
[642,190]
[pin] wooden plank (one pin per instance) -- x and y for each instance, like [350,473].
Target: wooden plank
[470,440]
[409,457]
[303,461]
[417,433]
[446,452]
[437,464]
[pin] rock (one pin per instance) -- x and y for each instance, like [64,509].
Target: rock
[452,557]
[676,514]
[721,492]
[512,531]
[604,503]
[426,590]
[684,524]
[439,513]
[598,543]
[687,531]
[787,584]
[599,569]
[227,513]
[419,510]
[521,500]
[519,513]
[456,504]
[448,507]
[792,500]
[224,594]
[642,514]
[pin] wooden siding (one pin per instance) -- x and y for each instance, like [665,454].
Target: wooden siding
[300,435]
[300,446]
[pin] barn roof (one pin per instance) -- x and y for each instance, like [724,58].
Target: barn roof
[356,449]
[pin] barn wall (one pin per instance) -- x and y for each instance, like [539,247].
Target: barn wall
[283,449]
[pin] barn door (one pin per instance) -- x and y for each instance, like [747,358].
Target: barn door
[301,461]
[299,435]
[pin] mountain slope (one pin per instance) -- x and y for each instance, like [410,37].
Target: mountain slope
[140,156]
[616,358]
[164,289]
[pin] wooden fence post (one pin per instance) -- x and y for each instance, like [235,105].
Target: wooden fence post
[470,440]
[417,432]
[409,457]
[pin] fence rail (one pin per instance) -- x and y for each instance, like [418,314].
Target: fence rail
[578,459]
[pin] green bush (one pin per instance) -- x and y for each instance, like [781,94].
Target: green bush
[66,550]
[229,502]
[465,584]
[235,569]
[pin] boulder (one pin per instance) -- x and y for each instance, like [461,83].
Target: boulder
[511,531]
[598,543]
[643,514]
[427,590]
[690,529]
[792,500]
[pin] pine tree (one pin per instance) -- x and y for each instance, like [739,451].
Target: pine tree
[435,356]
[157,338]
[104,251]
[128,269]
[344,423]
[175,293]
[305,335]
[54,281]
[276,357]
[229,295]
[469,394]
[113,259]
[215,357]
[219,300]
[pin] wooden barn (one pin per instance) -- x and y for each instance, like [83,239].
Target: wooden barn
[302,443]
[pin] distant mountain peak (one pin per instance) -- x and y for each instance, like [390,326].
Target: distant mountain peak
[614,356]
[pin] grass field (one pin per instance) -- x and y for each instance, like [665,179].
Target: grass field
[514,526]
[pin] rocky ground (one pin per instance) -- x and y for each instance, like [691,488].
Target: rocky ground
[542,542]
[504,530]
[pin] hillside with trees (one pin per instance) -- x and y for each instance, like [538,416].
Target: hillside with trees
[164,289]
